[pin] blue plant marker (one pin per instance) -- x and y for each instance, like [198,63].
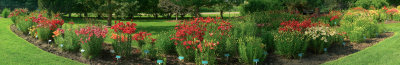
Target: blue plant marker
[118,57]
[146,51]
[159,61]
[344,43]
[204,62]
[335,22]
[300,55]
[61,45]
[365,37]
[181,57]
[377,34]
[82,50]
[325,49]
[256,60]
[36,36]
[227,55]
[265,53]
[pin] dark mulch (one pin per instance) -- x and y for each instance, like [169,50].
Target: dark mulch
[335,52]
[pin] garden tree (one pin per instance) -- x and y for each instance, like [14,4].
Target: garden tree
[394,2]
[171,7]
[58,6]
[149,7]
[224,5]
[261,5]
[195,4]
[29,4]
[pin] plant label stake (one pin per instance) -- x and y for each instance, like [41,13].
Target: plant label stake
[36,37]
[256,60]
[227,56]
[377,34]
[335,22]
[61,45]
[118,57]
[204,62]
[146,51]
[344,43]
[265,53]
[49,41]
[112,51]
[365,38]
[159,61]
[300,55]
[325,50]
[82,50]
[29,33]
[181,58]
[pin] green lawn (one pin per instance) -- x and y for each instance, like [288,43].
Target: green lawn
[386,52]
[17,51]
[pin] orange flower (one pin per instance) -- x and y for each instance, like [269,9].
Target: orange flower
[56,33]
[114,36]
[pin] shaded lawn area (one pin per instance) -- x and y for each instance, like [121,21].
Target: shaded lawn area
[17,51]
[386,52]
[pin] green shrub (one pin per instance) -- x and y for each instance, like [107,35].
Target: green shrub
[68,41]
[92,38]
[164,45]
[320,38]
[250,48]
[368,3]
[5,12]
[17,12]
[23,23]
[360,25]
[44,33]
[290,44]
[206,52]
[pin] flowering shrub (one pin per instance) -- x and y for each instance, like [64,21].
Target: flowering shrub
[360,25]
[122,37]
[66,38]
[46,25]
[190,34]
[92,38]
[17,12]
[23,23]
[290,40]
[391,12]
[250,48]
[321,36]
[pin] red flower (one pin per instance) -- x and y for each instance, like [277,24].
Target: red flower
[334,17]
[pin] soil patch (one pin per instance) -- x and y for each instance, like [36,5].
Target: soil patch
[335,52]
[391,21]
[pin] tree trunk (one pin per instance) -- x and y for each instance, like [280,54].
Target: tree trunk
[69,15]
[197,11]
[176,17]
[80,15]
[156,15]
[99,15]
[85,14]
[222,14]
[109,13]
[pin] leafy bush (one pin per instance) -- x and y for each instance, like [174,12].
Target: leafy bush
[191,34]
[17,12]
[23,23]
[92,38]
[321,37]
[5,12]
[250,48]
[66,38]
[164,45]
[146,43]
[368,3]
[44,33]
[290,41]
[359,25]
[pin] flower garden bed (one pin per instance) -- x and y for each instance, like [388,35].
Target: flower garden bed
[335,52]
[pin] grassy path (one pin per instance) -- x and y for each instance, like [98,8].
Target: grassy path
[17,51]
[386,52]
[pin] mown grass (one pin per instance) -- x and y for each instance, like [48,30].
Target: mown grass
[386,52]
[17,51]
